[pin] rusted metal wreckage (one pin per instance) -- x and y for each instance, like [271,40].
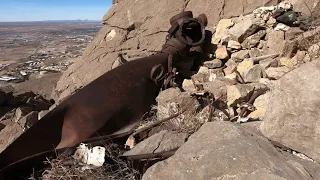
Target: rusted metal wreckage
[112,105]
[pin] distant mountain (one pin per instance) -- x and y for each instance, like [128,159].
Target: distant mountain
[51,22]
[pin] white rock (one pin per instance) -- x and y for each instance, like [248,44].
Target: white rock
[94,156]
[281,27]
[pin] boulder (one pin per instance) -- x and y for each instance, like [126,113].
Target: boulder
[222,150]
[253,41]
[292,33]
[307,7]
[243,29]
[292,117]
[161,142]
[188,85]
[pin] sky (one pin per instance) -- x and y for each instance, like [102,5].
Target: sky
[39,10]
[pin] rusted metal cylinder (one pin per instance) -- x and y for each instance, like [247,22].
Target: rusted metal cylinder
[111,104]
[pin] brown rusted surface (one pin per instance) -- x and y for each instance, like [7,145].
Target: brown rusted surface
[112,102]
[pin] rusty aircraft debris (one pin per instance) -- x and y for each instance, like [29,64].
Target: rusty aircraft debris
[110,106]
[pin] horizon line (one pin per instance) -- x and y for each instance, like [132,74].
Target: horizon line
[49,20]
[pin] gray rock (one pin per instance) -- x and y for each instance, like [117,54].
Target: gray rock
[216,63]
[255,52]
[221,150]
[172,100]
[29,120]
[240,55]
[254,40]
[292,33]
[266,63]
[243,29]
[254,74]
[161,142]
[277,44]
[239,93]
[292,115]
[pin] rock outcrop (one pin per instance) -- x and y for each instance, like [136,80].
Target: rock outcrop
[292,116]
[221,150]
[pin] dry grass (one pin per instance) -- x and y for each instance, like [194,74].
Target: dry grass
[66,168]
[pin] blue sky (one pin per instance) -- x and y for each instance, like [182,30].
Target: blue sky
[38,10]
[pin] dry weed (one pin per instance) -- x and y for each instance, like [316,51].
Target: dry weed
[66,168]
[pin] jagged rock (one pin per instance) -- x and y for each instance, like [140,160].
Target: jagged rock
[240,55]
[29,120]
[221,29]
[277,44]
[253,41]
[9,134]
[277,72]
[42,114]
[255,52]
[254,74]
[216,63]
[244,66]
[218,87]
[292,33]
[187,85]
[235,153]
[314,51]
[208,75]
[292,115]
[231,67]
[288,62]
[203,69]
[234,45]
[261,106]
[161,142]
[307,58]
[243,29]
[222,52]
[172,100]
[238,93]
[266,63]
[21,112]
